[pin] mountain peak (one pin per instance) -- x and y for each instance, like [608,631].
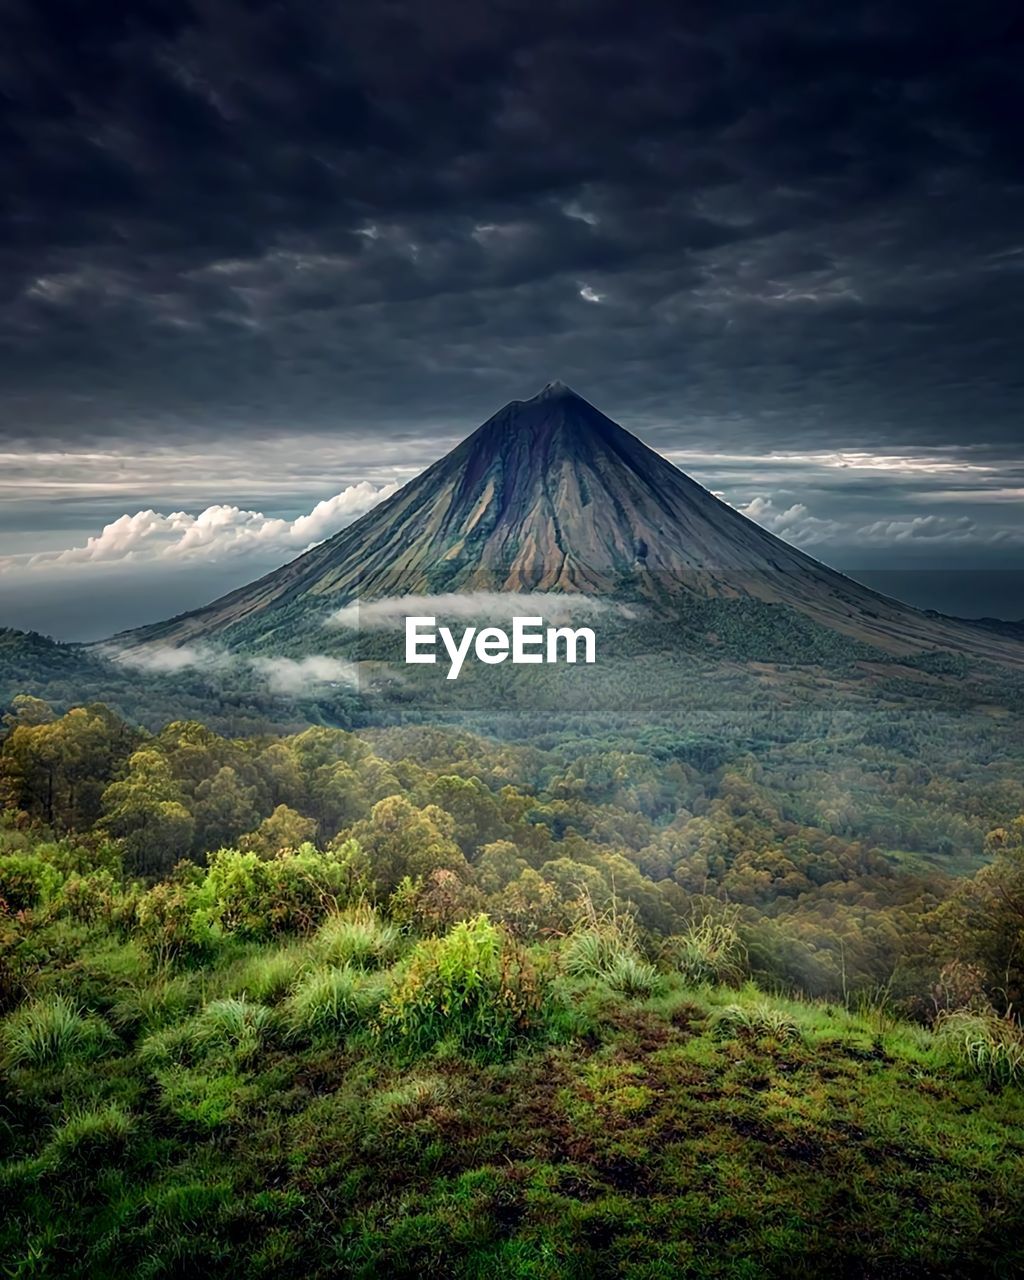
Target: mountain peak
[551,495]
[555,391]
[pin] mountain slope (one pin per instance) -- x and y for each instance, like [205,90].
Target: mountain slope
[549,494]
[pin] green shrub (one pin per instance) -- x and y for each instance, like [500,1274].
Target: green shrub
[331,1001]
[167,925]
[253,897]
[50,1033]
[473,988]
[93,898]
[608,949]
[90,1136]
[983,1043]
[709,951]
[759,1020]
[631,975]
[357,937]
[26,880]
[242,1026]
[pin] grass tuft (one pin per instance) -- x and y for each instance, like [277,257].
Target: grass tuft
[267,977]
[89,1136]
[50,1033]
[737,1021]
[357,937]
[633,976]
[984,1044]
[242,1026]
[331,1001]
[608,949]
[709,951]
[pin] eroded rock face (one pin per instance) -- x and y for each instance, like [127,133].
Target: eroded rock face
[551,495]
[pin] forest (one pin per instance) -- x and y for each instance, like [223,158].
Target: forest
[417,1000]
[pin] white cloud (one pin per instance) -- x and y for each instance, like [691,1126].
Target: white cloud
[299,675]
[216,533]
[166,660]
[579,214]
[288,676]
[390,611]
[794,523]
[929,528]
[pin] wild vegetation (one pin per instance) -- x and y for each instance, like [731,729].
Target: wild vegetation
[414,1001]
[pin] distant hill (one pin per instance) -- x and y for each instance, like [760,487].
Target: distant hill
[551,495]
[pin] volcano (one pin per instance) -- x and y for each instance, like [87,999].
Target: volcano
[551,495]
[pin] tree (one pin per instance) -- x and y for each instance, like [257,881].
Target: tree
[400,840]
[222,807]
[26,710]
[498,865]
[145,810]
[983,923]
[475,809]
[284,829]
[57,769]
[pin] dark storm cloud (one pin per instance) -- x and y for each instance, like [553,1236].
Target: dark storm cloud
[802,222]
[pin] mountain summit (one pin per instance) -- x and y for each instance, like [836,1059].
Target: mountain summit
[551,495]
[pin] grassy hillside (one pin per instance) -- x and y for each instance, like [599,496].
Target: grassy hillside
[354,1097]
[419,1003]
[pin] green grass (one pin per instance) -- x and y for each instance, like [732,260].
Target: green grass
[331,1001]
[357,937]
[984,1044]
[753,1021]
[90,1137]
[665,1128]
[51,1033]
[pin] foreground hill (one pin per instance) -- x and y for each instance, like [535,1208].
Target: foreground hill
[551,495]
[273,1115]
[416,1003]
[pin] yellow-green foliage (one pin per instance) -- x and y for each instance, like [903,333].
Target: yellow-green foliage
[984,1043]
[167,924]
[51,1032]
[331,1000]
[255,897]
[474,987]
[761,1019]
[26,880]
[358,937]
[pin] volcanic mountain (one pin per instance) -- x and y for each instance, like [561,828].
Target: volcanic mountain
[551,495]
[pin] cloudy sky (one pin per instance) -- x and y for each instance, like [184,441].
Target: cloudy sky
[261,261]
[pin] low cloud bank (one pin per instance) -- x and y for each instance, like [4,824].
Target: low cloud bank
[798,526]
[285,676]
[297,675]
[166,660]
[219,532]
[495,606]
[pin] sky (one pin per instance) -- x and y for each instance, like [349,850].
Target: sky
[261,262]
